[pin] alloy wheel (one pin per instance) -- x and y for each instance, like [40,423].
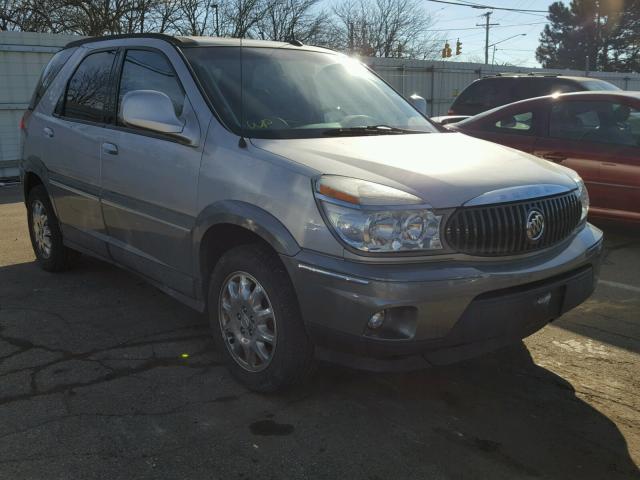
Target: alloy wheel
[247,321]
[41,229]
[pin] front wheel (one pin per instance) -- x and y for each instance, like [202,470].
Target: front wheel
[256,321]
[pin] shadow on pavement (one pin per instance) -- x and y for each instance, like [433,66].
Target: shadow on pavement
[501,415]
[95,383]
[11,194]
[611,314]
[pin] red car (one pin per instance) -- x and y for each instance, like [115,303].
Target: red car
[595,133]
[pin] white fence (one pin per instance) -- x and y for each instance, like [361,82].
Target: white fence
[23,55]
[441,82]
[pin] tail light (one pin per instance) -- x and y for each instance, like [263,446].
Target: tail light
[25,120]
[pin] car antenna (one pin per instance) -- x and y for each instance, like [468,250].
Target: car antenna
[296,43]
[242,143]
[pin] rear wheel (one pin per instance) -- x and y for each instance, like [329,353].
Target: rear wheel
[45,233]
[256,321]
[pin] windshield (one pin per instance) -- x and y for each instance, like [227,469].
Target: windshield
[300,94]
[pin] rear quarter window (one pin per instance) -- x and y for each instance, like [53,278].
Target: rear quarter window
[49,74]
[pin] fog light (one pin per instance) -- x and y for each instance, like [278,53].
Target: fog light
[376,320]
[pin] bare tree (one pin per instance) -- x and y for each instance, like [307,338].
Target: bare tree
[291,19]
[194,17]
[239,18]
[383,28]
[164,15]
[31,16]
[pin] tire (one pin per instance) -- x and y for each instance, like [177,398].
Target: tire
[45,233]
[240,325]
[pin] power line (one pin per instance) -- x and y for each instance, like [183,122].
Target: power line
[483,27]
[487,7]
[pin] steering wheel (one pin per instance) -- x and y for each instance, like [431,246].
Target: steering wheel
[358,121]
[268,123]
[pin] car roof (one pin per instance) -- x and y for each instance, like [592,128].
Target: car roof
[585,95]
[193,41]
[511,76]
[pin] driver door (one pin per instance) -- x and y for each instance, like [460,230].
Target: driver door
[150,180]
[514,127]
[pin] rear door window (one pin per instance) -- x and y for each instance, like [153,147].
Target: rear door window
[87,95]
[596,121]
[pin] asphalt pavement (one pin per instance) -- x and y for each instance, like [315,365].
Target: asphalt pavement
[103,376]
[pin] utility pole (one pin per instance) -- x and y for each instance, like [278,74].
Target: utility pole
[586,66]
[351,38]
[487,25]
[215,7]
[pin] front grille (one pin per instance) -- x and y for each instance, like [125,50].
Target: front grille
[501,229]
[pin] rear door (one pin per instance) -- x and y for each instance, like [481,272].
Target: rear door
[620,172]
[599,139]
[71,150]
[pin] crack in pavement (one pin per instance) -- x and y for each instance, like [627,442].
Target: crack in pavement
[114,374]
[70,415]
[86,356]
[148,363]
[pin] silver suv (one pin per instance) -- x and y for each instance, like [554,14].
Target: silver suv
[301,202]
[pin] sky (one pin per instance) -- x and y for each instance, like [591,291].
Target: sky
[519,51]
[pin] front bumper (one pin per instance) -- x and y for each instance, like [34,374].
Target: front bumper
[443,311]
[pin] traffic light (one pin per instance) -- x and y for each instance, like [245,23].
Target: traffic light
[458,47]
[446,51]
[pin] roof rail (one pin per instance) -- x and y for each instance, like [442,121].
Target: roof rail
[159,36]
[521,74]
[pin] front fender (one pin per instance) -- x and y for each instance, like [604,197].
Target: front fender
[248,216]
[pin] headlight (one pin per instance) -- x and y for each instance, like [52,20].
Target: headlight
[376,218]
[583,195]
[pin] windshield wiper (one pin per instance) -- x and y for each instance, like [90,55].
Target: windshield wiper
[369,130]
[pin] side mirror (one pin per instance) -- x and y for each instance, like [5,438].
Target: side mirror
[419,103]
[151,110]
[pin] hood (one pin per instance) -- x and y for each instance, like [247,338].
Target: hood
[444,169]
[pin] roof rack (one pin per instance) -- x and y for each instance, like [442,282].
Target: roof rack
[523,74]
[159,36]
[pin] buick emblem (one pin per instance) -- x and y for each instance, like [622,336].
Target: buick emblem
[535,225]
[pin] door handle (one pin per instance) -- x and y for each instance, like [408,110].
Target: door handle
[48,132]
[609,164]
[110,148]
[554,157]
